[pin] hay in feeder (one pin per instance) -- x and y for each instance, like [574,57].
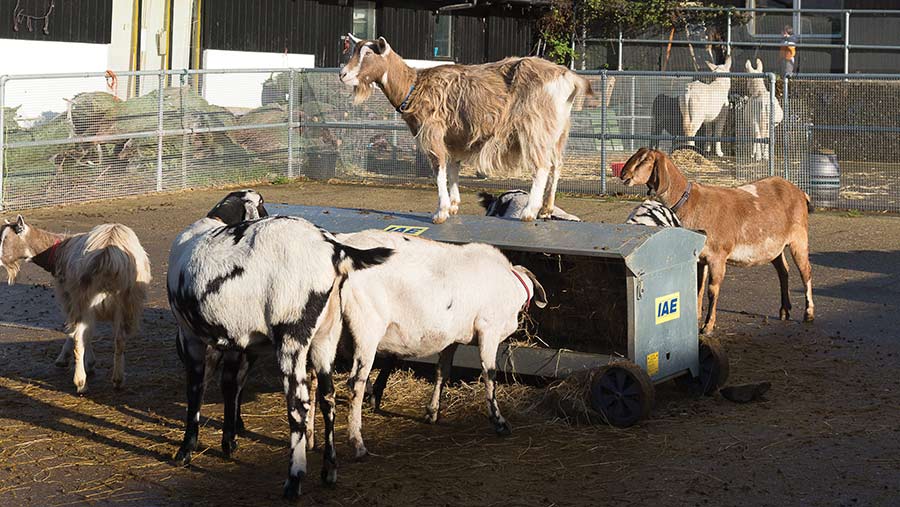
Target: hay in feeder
[691,162]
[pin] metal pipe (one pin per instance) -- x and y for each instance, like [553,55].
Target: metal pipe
[198,25]
[620,52]
[290,168]
[160,130]
[728,35]
[603,132]
[847,42]
[771,135]
[2,135]
[631,111]
[785,145]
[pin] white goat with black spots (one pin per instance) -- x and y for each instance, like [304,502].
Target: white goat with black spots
[237,286]
[100,275]
[415,304]
[512,204]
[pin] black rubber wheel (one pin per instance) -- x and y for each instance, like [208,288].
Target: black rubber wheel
[714,369]
[621,392]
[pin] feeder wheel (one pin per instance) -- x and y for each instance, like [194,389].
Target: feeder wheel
[622,393]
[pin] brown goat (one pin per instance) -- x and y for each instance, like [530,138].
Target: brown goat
[103,274]
[497,117]
[745,226]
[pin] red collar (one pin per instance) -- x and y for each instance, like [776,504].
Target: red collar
[51,257]
[527,290]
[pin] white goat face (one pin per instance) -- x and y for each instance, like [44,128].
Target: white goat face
[749,67]
[13,248]
[725,67]
[368,62]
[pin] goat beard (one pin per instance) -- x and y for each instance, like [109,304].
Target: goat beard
[361,92]
[12,271]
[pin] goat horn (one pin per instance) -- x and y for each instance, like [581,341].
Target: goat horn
[353,38]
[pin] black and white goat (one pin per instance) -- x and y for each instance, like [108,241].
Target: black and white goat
[653,214]
[512,204]
[412,305]
[238,286]
[100,275]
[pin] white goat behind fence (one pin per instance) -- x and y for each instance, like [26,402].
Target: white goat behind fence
[705,102]
[759,108]
[100,275]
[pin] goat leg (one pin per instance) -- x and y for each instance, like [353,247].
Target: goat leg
[781,266]
[441,374]
[195,366]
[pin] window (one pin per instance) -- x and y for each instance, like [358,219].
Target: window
[443,37]
[364,19]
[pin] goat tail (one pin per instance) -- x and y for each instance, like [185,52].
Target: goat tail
[347,259]
[809,205]
[109,269]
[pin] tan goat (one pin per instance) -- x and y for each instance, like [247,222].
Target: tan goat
[745,226]
[100,275]
[497,117]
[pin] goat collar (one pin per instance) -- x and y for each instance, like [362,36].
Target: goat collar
[51,257]
[527,290]
[402,108]
[684,198]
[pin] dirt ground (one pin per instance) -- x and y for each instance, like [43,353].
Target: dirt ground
[828,433]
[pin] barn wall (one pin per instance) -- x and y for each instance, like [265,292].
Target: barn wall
[87,21]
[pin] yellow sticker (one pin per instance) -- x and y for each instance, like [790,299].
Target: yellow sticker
[412,230]
[652,363]
[668,307]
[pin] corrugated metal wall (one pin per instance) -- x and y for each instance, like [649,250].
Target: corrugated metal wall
[308,26]
[87,21]
[275,26]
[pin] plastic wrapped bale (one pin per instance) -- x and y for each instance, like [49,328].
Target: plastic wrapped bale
[270,144]
[383,157]
[89,113]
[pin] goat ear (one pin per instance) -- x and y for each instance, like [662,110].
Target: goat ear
[20,225]
[661,172]
[759,67]
[748,66]
[540,295]
[383,46]
[354,39]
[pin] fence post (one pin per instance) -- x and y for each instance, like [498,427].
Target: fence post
[728,35]
[159,131]
[603,131]
[771,135]
[2,136]
[290,141]
[620,52]
[785,146]
[846,42]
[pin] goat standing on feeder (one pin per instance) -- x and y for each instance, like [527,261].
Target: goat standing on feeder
[100,275]
[495,117]
[745,226]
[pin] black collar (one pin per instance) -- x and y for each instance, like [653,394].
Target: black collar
[684,198]
[403,105]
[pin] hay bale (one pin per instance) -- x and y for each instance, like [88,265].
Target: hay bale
[90,112]
[269,143]
[689,161]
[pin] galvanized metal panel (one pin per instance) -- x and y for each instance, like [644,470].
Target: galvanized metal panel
[644,249]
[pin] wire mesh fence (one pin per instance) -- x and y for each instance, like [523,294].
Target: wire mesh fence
[71,138]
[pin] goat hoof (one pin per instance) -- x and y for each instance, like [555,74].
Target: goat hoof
[431,416]
[239,427]
[440,217]
[809,317]
[528,216]
[229,445]
[785,315]
[707,330]
[292,488]
[502,429]
[329,474]
[454,209]
[360,453]
[183,457]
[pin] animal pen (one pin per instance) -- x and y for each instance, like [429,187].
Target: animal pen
[623,301]
[76,137]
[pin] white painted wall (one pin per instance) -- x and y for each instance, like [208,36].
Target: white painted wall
[245,90]
[41,57]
